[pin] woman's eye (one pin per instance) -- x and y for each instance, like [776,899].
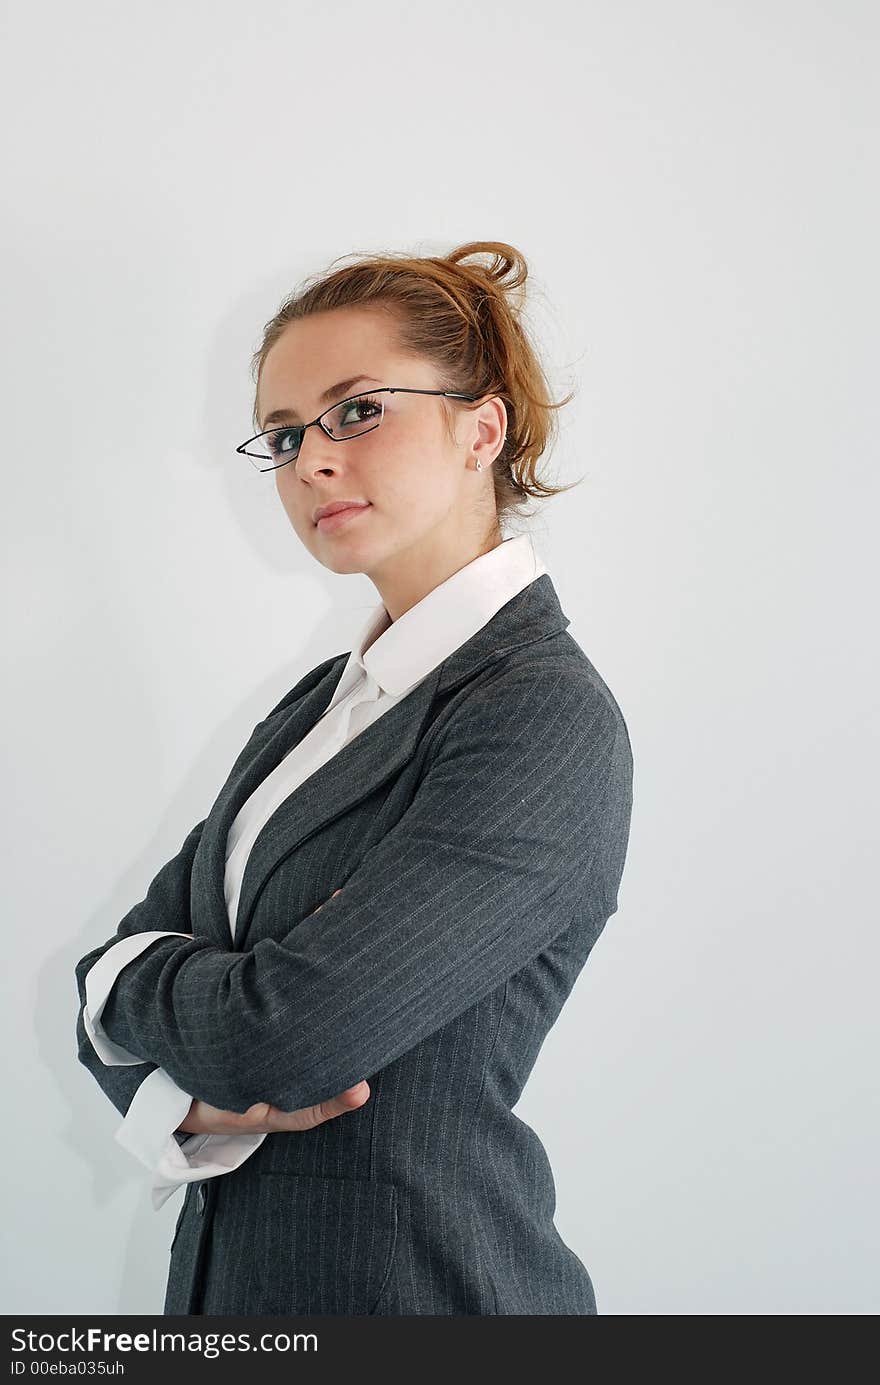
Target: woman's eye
[283,441]
[360,409]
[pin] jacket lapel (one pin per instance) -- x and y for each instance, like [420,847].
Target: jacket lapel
[378,753]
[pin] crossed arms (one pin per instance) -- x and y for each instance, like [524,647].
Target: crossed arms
[500,849]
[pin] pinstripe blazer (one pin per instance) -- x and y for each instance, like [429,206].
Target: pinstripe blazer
[478,831]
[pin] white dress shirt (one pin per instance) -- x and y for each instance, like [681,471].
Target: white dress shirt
[389,659]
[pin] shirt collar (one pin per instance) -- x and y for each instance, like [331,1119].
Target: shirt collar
[404,651]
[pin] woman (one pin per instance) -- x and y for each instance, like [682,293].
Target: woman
[361,949]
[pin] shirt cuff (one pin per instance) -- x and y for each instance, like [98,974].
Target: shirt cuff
[98,985]
[202,1156]
[157,1108]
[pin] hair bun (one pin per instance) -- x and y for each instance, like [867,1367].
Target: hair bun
[507,274]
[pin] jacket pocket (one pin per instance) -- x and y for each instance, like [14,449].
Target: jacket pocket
[326,1245]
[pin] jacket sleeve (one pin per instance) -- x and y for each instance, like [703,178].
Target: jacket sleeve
[166,902]
[517,826]
[165,910]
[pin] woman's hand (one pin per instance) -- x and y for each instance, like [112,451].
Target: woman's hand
[261,1118]
[320,906]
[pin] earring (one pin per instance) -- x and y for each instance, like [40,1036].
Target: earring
[478,464]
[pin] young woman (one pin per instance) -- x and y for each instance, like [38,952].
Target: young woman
[321,1014]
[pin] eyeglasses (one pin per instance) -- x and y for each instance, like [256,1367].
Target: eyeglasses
[360,413]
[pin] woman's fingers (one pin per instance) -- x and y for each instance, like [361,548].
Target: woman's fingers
[310,1116]
[261,1118]
[320,906]
[256,1113]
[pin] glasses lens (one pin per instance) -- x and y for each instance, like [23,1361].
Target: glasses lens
[274,448]
[353,416]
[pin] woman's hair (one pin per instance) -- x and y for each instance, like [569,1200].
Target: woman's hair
[466,318]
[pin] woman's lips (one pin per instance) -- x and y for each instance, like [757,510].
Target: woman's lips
[330,522]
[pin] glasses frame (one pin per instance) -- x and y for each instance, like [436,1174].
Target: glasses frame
[384,389]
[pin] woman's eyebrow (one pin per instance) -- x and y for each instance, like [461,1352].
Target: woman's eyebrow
[279,415]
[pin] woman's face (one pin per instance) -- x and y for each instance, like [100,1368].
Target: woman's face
[428,508]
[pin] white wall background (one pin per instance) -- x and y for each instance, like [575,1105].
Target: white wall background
[692,184]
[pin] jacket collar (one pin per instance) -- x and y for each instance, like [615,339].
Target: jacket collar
[360,767]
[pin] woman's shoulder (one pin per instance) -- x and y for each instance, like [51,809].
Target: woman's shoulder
[557,671]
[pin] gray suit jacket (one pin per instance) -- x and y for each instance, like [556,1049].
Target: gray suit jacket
[478,830]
